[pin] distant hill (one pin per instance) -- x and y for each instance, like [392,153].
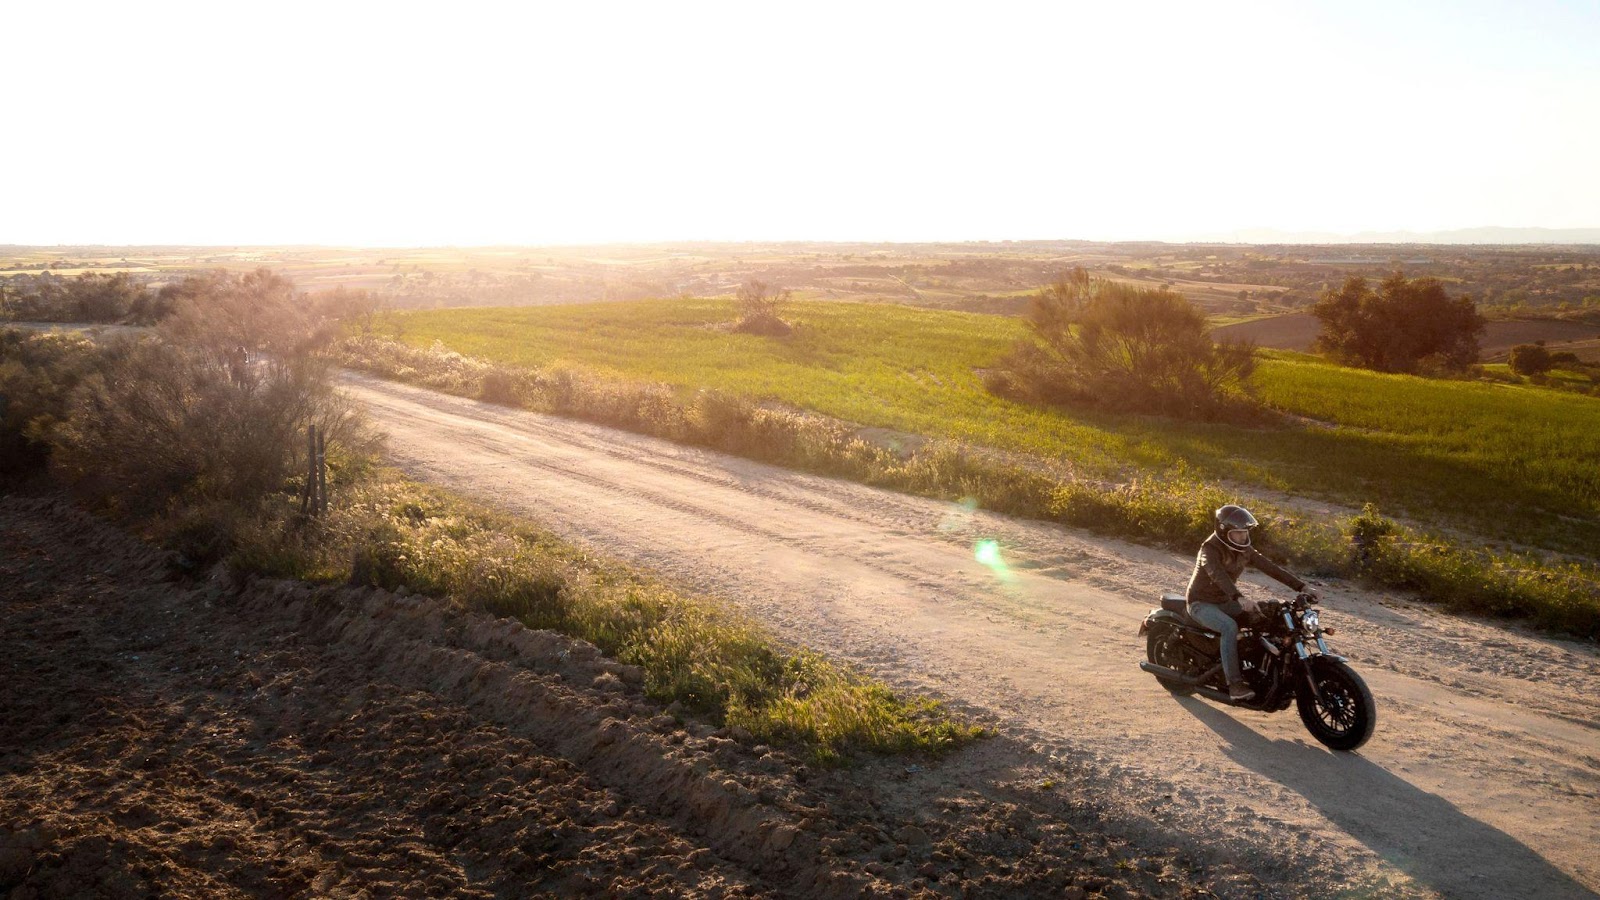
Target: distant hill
[1486,235]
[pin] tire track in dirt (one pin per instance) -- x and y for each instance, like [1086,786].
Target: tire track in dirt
[1480,781]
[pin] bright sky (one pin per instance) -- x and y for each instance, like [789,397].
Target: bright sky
[404,123]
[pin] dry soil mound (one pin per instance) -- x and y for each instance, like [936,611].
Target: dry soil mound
[268,738]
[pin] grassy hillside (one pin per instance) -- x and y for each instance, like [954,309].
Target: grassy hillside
[1504,461]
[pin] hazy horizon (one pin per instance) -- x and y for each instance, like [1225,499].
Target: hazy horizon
[373,126]
[1486,236]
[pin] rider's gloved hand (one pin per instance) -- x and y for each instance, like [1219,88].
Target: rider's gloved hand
[1312,594]
[1256,611]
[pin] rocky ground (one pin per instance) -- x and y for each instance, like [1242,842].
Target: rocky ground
[264,738]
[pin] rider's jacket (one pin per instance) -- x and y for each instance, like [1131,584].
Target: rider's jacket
[1217,569]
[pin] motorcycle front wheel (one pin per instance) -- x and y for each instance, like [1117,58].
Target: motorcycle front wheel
[1343,714]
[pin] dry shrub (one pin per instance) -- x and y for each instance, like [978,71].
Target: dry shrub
[500,386]
[38,374]
[1107,344]
[88,297]
[759,307]
[215,411]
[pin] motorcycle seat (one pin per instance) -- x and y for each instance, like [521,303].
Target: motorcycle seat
[1175,603]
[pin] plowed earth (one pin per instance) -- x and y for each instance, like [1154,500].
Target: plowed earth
[269,739]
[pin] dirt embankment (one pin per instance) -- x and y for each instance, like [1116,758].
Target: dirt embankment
[271,739]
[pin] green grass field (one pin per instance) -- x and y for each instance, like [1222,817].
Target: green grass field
[1507,462]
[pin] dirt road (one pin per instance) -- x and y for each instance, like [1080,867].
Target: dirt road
[1483,779]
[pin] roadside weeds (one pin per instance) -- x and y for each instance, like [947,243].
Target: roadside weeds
[1563,596]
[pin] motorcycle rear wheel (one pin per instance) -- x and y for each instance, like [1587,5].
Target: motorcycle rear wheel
[1162,648]
[1346,714]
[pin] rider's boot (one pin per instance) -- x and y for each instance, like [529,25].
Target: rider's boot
[1240,692]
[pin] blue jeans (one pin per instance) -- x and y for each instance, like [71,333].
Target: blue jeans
[1219,617]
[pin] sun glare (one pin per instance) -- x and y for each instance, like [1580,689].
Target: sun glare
[887,122]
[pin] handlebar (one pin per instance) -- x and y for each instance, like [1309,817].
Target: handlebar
[1277,608]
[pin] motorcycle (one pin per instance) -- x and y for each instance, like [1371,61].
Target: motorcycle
[1283,657]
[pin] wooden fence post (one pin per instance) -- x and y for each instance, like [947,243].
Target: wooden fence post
[322,470]
[314,497]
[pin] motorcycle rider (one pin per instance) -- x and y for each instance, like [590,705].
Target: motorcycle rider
[1213,598]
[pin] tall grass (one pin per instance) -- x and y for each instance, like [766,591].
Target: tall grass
[390,532]
[665,368]
[1519,459]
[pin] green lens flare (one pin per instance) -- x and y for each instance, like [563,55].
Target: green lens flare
[988,553]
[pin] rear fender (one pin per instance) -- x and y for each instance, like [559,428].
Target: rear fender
[1159,616]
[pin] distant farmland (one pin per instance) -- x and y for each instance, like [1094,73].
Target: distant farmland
[1296,331]
[1487,458]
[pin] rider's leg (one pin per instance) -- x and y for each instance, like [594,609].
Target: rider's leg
[1217,619]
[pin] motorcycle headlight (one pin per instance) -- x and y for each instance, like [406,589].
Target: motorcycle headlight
[1311,621]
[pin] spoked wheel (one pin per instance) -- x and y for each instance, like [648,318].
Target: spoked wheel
[1343,714]
[1163,648]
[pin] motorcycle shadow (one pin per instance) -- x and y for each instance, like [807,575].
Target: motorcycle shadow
[1421,834]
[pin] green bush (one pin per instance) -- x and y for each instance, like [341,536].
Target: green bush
[1531,359]
[1173,512]
[38,375]
[1564,597]
[193,431]
[1113,345]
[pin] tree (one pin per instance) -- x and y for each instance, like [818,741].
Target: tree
[216,409]
[97,297]
[259,315]
[88,297]
[759,305]
[1405,325]
[354,305]
[1115,345]
[1531,359]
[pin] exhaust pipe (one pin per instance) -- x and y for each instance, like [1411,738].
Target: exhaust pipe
[1196,684]
[1175,675]
[1164,672]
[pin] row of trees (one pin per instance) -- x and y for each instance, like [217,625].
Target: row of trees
[1399,325]
[121,298]
[89,297]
